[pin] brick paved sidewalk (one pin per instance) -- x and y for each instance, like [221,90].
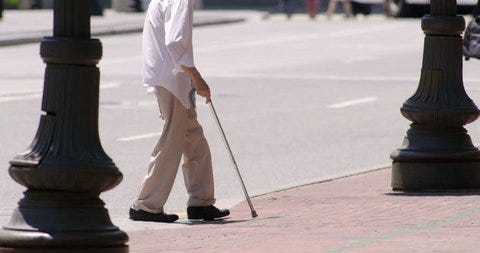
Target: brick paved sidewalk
[354,214]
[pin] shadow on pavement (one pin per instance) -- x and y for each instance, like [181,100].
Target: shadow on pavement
[225,221]
[214,222]
[439,193]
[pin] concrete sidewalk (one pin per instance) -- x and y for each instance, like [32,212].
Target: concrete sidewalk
[355,214]
[29,26]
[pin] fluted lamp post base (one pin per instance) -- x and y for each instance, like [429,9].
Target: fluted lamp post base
[86,250]
[420,176]
[436,159]
[59,221]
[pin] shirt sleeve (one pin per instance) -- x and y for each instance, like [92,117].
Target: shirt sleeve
[178,33]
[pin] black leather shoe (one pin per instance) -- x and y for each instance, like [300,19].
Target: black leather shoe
[140,215]
[206,212]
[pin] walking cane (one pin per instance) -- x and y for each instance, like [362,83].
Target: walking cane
[214,113]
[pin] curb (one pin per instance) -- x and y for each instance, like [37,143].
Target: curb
[102,31]
[323,180]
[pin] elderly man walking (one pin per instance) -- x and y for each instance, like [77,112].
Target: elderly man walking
[170,73]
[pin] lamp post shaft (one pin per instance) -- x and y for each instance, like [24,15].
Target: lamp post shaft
[65,168]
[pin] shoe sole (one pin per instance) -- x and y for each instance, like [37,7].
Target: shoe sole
[206,218]
[152,220]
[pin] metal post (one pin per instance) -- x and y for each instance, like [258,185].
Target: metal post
[437,153]
[65,168]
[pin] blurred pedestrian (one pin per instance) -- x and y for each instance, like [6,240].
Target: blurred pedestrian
[471,37]
[137,6]
[1,9]
[36,4]
[199,4]
[347,8]
[96,8]
[288,7]
[387,9]
[170,73]
[361,8]
[312,7]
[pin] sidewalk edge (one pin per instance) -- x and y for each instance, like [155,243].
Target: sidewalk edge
[102,31]
[323,180]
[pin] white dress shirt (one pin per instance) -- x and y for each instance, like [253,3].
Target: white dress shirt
[167,44]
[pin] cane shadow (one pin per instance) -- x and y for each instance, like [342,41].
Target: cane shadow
[224,221]
[434,193]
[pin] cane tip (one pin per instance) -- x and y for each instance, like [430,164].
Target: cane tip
[254,214]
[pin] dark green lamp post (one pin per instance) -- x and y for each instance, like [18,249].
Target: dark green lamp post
[437,153]
[65,168]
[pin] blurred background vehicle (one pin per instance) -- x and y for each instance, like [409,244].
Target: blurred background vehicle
[416,8]
[397,8]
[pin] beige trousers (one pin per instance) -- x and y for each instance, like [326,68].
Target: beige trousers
[182,135]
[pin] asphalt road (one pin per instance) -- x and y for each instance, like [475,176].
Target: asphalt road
[300,101]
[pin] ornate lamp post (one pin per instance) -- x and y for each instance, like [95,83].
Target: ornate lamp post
[65,168]
[437,152]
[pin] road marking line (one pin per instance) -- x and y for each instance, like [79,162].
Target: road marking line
[126,104]
[109,86]
[139,137]
[365,30]
[19,97]
[20,92]
[353,102]
[35,94]
[121,60]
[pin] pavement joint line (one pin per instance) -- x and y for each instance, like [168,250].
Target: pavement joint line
[403,232]
[139,137]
